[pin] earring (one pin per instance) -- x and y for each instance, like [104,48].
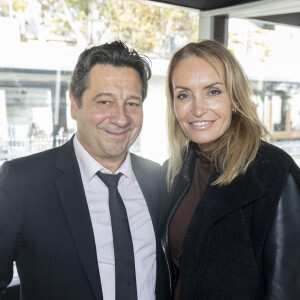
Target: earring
[234,111]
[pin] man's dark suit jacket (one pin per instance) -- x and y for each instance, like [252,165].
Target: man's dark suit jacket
[46,228]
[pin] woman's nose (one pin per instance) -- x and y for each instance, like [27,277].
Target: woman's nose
[199,106]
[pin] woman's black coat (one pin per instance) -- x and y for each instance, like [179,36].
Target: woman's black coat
[243,241]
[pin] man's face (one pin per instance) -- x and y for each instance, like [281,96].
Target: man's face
[110,117]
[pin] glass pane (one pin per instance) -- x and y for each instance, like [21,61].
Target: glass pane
[269,55]
[41,41]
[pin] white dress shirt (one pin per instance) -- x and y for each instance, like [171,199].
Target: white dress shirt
[140,223]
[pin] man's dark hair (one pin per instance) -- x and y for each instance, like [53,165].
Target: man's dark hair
[116,54]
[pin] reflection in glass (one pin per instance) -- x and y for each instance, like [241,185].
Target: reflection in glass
[269,54]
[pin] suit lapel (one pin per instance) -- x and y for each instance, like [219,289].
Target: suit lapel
[72,196]
[149,187]
[216,203]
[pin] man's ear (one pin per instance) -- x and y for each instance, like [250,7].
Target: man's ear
[74,106]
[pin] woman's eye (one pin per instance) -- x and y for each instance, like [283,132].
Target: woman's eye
[182,96]
[214,92]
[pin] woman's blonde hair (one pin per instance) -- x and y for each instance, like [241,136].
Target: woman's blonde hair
[236,149]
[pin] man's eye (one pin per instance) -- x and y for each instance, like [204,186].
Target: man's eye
[103,102]
[133,104]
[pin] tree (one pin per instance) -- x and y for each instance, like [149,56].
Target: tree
[147,28]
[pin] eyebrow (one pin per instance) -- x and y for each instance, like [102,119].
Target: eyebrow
[215,83]
[102,94]
[135,97]
[105,94]
[206,87]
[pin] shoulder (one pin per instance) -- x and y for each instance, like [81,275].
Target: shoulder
[165,166]
[273,165]
[18,175]
[273,158]
[268,149]
[32,160]
[138,161]
[35,162]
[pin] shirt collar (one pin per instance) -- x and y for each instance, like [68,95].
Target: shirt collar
[89,166]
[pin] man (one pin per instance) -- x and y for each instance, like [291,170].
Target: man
[55,211]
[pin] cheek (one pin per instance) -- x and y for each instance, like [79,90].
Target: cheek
[138,122]
[223,108]
[228,113]
[97,116]
[180,110]
[227,118]
[136,117]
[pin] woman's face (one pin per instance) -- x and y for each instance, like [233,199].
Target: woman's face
[201,103]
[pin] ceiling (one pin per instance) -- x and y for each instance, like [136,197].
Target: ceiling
[292,18]
[288,19]
[206,4]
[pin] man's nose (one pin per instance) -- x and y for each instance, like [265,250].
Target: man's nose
[119,116]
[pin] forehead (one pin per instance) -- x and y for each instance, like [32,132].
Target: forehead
[106,75]
[197,68]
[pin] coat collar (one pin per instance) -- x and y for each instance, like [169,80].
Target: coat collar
[223,199]
[149,186]
[73,200]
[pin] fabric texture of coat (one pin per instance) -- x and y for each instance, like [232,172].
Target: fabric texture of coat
[45,224]
[243,241]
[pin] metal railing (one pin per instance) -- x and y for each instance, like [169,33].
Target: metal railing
[18,147]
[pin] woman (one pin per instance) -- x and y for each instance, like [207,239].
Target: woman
[231,223]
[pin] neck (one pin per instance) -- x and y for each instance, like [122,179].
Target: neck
[111,164]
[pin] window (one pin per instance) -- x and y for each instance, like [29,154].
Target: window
[41,41]
[269,54]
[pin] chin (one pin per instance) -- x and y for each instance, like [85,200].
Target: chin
[117,152]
